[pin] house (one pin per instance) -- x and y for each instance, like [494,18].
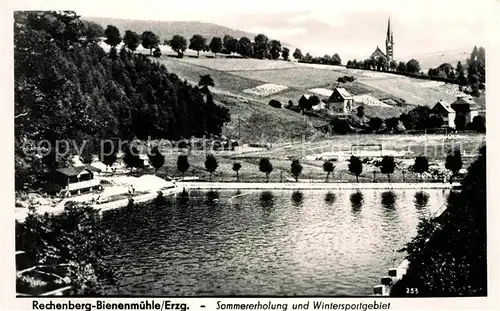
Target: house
[304,100]
[74,180]
[466,108]
[462,107]
[340,101]
[443,109]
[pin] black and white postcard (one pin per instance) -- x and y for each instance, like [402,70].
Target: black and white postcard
[260,155]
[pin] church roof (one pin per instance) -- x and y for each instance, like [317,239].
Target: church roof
[378,52]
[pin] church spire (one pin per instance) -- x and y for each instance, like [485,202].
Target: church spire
[389,42]
[389,31]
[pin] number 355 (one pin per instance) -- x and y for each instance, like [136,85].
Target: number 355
[412,290]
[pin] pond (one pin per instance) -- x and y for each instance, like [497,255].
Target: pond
[282,243]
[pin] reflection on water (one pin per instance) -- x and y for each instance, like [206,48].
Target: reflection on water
[330,198]
[388,199]
[297,198]
[257,244]
[356,201]
[267,199]
[421,199]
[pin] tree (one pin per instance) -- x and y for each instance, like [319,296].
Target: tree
[149,41]
[205,82]
[392,123]
[454,163]
[297,54]
[266,167]
[69,245]
[157,52]
[355,167]
[308,58]
[376,123]
[393,65]
[131,40]
[313,101]
[460,122]
[92,31]
[197,43]
[286,53]
[211,164]
[275,49]
[421,165]
[435,121]
[156,159]
[236,168]
[387,166]
[401,67]
[296,169]
[216,45]
[230,44]
[109,154]
[360,112]
[245,47]
[382,63]
[182,164]
[328,167]
[460,74]
[413,66]
[131,157]
[261,48]
[479,124]
[113,37]
[178,44]
[336,60]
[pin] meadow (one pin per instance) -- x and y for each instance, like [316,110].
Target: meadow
[236,74]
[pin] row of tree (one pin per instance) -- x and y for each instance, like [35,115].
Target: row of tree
[325,60]
[387,165]
[261,47]
[474,75]
[68,89]
[382,64]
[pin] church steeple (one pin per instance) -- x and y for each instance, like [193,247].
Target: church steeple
[389,42]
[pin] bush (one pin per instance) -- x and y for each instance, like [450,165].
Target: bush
[274,103]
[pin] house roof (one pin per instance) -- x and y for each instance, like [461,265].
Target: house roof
[343,92]
[467,103]
[76,170]
[444,105]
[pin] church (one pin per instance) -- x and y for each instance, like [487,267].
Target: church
[389,46]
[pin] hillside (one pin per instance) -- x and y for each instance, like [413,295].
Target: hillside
[166,29]
[391,93]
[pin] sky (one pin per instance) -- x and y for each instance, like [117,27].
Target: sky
[352,28]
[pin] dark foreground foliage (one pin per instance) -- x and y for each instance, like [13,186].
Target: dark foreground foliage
[448,255]
[72,245]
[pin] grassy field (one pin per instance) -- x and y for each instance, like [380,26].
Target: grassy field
[233,75]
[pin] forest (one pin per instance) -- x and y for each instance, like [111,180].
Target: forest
[68,88]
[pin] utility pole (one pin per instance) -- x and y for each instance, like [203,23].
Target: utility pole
[239,129]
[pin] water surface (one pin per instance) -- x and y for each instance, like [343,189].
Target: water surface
[266,243]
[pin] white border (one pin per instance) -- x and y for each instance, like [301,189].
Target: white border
[7,273]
